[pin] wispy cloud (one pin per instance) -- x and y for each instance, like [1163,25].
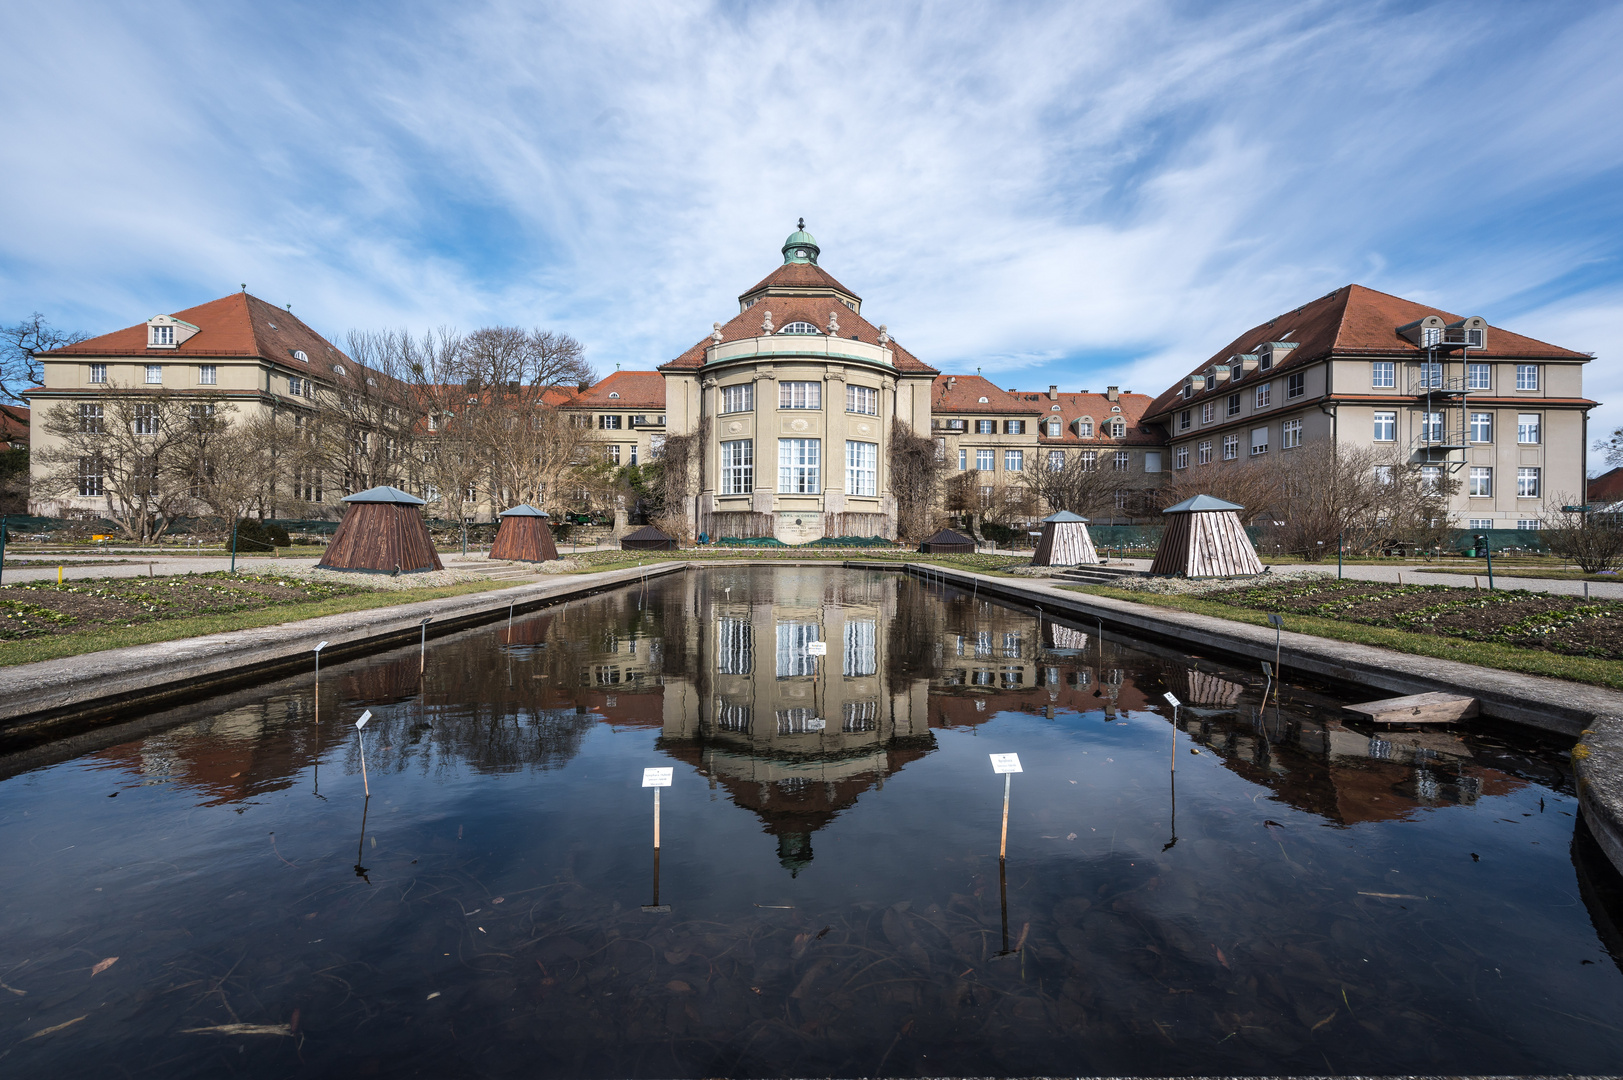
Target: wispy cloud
[1057,193]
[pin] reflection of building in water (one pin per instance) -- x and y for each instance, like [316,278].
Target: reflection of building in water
[791,698]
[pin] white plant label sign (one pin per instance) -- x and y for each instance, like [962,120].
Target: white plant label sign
[1171,700]
[816,648]
[657,777]
[1005,763]
[365,716]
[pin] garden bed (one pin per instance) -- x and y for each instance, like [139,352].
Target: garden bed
[1570,625]
[42,609]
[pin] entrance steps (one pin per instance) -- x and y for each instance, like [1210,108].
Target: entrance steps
[1100,575]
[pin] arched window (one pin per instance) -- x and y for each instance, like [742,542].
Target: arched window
[614,393]
[1084,427]
[799,328]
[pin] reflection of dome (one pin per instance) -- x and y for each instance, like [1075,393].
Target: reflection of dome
[794,852]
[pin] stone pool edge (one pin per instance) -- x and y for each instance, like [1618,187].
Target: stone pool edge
[36,699]
[1591,714]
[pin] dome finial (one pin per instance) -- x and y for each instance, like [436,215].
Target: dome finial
[801,225]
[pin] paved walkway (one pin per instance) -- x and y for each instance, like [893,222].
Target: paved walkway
[1413,575]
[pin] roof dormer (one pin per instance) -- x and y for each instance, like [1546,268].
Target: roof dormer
[168,332]
[1424,332]
[1471,332]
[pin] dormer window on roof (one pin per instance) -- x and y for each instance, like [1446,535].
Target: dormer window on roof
[299,355]
[798,327]
[614,393]
[985,401]
[168,332]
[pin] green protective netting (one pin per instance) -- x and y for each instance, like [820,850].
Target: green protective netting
[749,541]
[850,542]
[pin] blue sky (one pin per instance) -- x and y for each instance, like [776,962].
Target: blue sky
[1071,193]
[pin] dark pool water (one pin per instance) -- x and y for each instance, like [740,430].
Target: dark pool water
[829,893]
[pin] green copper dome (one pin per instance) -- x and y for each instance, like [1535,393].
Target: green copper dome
[801,247]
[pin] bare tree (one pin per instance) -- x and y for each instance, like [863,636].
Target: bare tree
[915,478]
[134,450]
[19,342]
[1081,486]
[366,417]
[1252,484]
[1593,541]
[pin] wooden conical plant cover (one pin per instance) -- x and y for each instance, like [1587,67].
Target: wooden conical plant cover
[1203,538]
[383,532]
[524,536]
[1065,542]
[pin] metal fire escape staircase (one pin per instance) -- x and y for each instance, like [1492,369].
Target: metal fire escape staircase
[1440,434]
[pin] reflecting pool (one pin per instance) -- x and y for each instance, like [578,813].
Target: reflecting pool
[1263,888]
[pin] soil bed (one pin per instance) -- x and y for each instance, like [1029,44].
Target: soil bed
[41,609]
[1571,625]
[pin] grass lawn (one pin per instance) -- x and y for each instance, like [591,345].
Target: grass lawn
[1583,669]
[99,635]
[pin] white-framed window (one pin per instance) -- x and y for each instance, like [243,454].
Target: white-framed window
[1259,441]
[1527,376]
[861,468]
[1386,426]
[1383,475]
[1183,420]
[794,659]
[986,460]
[1090,460]
[1054,429]
[1231,447]
[1180,457]
[146,419]
[1383,374]
[1014,460]
[1152,461]
[963,459]
[91,421]
[862,399]
[800,395]
[986,427]
[1481,484]
[799,327]
[740,397]
[1479,523]
[207,375]
[1527,483]
[861,648]
[614,453]
[941,448]
[1431,427]
[800,465]
[1527,428]
[1431,335]
[162,335]
[1290,434]
[1479,376]
[1208,411]
[1265,396]
[1123,460]
[1118,428]
[1084,428]
[1430,477]
[155,373]
[609,423]
[1056,460]
[1482,427]
[98,373]
[1528,524]
[1014,427]
[90,477]
[633,449]
[1431,375]
[1234,405]
[295,387]
[738,467]
[1121,504]
[1203,453]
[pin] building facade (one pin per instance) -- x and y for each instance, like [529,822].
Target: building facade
[1503,414]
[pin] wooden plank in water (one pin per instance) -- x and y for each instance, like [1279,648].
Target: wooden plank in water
[1434,708]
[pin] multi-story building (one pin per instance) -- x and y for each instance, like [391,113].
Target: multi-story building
[626,410]
[1502,413]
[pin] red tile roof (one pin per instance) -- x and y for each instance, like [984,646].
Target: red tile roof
[963,394]
[13,424]
[634,390]
[234,325]
[799,276]
[1098,407]
[1607,488]
[1358,321]
[788,309]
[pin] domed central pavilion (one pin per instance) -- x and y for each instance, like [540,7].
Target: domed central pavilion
[794,399]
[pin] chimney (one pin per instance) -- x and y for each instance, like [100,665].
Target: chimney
[1112,393]
[1053,392]
[952,380]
